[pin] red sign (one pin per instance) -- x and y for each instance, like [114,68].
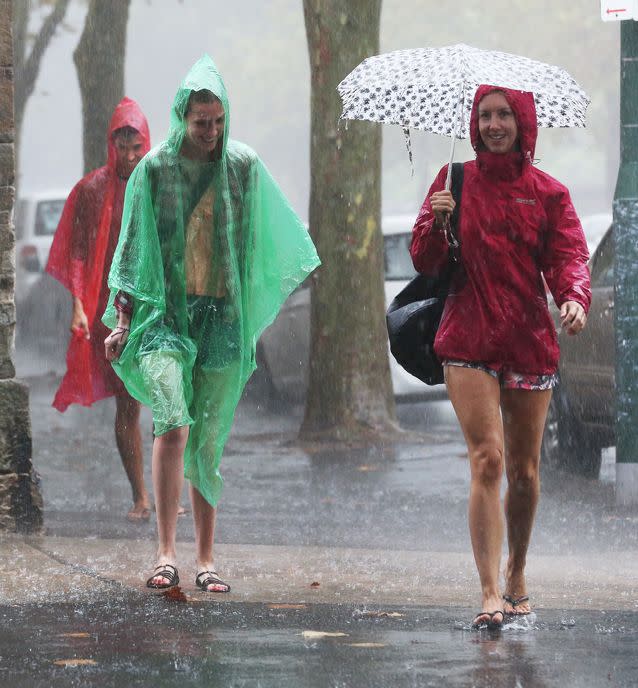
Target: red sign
[615,10]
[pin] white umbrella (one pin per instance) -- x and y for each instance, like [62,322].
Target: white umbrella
[432,89]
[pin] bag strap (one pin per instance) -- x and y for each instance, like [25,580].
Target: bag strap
[457,192]
[450,230]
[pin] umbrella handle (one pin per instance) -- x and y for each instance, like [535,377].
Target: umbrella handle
[458,115]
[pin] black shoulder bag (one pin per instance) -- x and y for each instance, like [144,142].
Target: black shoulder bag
[414,315]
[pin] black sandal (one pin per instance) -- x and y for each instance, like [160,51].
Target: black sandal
[171,576]
[210,578]
[490,624]
[514,602]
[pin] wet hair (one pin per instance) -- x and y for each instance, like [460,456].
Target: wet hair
[203,96]
[124,133]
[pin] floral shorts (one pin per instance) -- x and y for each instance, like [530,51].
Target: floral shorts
[508,379]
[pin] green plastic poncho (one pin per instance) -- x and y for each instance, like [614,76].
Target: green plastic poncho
[225,230]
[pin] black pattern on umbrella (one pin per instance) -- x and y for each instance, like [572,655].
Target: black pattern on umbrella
[432,89]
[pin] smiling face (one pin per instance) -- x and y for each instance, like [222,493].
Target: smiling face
[497,123]
[204,129]
[129,150]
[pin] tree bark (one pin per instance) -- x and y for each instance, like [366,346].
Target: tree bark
[350,391]
[99,61]
[20,498]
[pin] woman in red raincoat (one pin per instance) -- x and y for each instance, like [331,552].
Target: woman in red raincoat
[80,258]
[497,340]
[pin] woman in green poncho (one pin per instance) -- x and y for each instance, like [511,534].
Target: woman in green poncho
[208,252]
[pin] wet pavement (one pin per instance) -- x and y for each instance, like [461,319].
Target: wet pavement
[141,640]
[368,542]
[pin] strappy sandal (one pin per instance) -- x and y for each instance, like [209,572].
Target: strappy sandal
[206,578]
[514,602]
[490,623]
[171,576]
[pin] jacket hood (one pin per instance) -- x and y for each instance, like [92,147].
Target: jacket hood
[522,104]
[202,75]
[127,113]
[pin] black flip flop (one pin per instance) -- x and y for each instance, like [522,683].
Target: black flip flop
[490,624]
[514,602]
[206,578]
[171,576]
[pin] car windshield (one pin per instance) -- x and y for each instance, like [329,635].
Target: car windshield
[47,216]
[398,263]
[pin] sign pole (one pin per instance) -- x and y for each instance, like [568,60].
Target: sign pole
[626,273]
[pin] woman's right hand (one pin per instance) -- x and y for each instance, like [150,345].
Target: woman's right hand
[79,321]
[442,204]
[114,344]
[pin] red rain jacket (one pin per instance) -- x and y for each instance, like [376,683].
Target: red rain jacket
[516,225]
[80,258]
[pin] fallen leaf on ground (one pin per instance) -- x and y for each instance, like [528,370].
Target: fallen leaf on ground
[315,584]
[286,606]
[74,662]
[366,644]
[75,635]
[315,635]
[175,594]
[380,614]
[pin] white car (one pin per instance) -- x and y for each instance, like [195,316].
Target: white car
[282,352]
[43,306]
[594,228]
[36,219]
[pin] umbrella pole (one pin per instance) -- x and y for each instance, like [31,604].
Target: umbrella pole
[448,179]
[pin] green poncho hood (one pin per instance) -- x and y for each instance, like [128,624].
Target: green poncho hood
[208,251]
[203,75]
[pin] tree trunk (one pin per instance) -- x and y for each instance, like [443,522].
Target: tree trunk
[350,392]
[99,60]
[20,498]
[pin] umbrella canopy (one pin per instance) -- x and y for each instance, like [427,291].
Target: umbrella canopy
[432,89]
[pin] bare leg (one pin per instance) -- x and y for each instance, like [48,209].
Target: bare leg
[475,396]
[129,443]
[524,414]
[204,518]
[168,479]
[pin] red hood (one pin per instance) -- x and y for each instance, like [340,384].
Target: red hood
[127,113]
[522,104]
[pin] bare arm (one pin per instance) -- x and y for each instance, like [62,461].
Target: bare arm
[114,344]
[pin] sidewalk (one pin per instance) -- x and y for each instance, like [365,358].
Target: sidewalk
[382,525]
[48,570]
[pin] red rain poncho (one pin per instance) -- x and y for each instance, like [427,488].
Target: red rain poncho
[516,225]
[80,258]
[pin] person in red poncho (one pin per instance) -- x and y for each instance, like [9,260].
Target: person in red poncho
[80,258]
[496,339]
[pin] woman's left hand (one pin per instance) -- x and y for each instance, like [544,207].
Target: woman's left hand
[572,317]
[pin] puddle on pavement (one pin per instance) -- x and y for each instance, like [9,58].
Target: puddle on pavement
[146,640]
